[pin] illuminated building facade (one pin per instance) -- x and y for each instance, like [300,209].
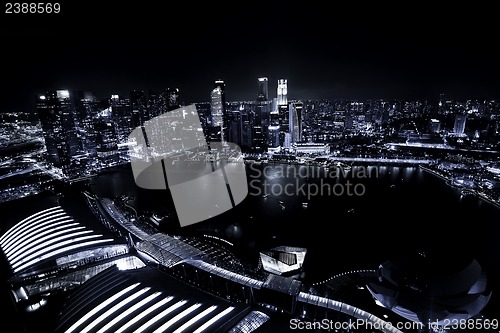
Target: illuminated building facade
[122,116]
[86,107]
[263,94]
[459,126]
[283,113]
[106,142]
[57,117]
[282,92]
[218,112]
[235,127]
[295,121]
[138,105]
[273,136]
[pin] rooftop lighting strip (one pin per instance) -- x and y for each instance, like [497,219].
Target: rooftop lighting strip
[195,319]
[49,246]
[50,232]
[22,253]
[213,320]
[159,316]
[175,319]
[110,312]
[100,307]
[62,250]
[24,229]
[144,314]
[40,226]
[129,311]
[5,237]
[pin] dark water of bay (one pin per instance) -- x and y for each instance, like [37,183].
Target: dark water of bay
[354,218]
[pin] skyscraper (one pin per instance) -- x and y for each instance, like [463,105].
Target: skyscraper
[295,121]
[459,126]
[86,108]
[282,92]
[235,127]
[122,116]
[161,102]
[246,129]
[106,142]
[217,112]
[57,117]
[262,115]
[172,98]
[263,94]
[283,111]
[273,136]
[138,104]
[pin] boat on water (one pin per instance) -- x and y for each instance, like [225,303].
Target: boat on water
[466,192]
[341,165]
[282,204]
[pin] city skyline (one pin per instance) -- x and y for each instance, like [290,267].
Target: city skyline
[345,54]
[251,167]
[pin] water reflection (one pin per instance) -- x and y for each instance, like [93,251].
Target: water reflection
[402,207]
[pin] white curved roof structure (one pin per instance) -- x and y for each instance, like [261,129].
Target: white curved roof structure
[46,235]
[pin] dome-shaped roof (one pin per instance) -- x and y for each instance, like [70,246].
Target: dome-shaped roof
[432,286]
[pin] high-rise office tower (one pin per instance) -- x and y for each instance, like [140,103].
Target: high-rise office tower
[283,111]
[57,117]
[295,121]
[106,142]
[246,129]
[258,138]
[441,103]
[273,136]
[122,116]
[235,127]
[138,104]
[161,102]
[459,126]
[263,94]
[434,125]
[156,104]
[282,92]
[222,86]
[284,122]
[172,98]
[86,108]
[217,115]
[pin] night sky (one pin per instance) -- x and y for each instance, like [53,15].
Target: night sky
[324,50]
